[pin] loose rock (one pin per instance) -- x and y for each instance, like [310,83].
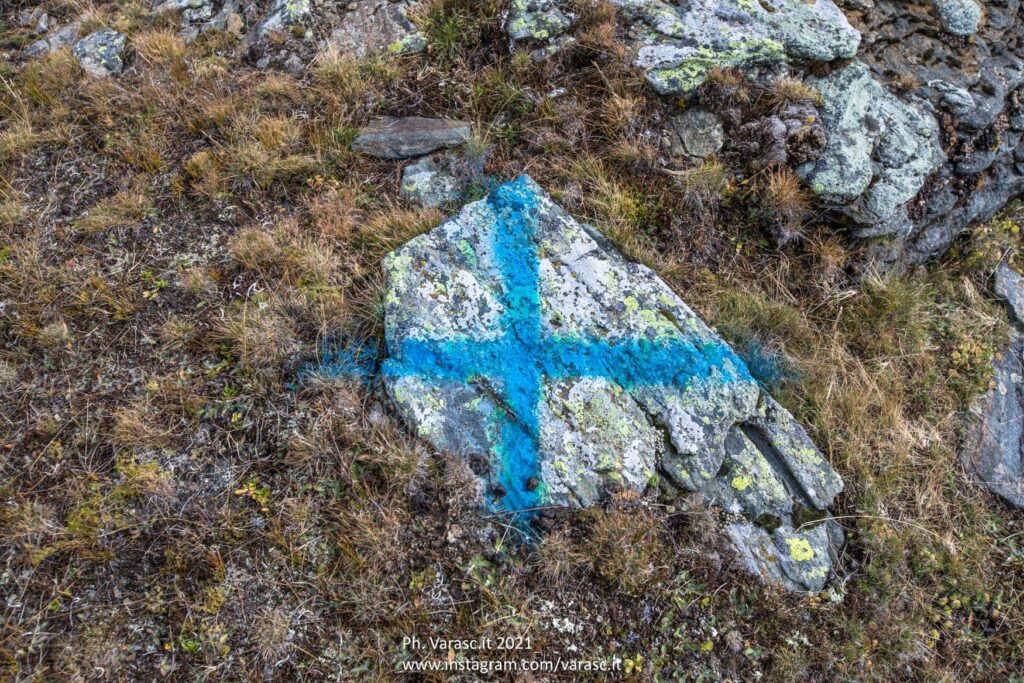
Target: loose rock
[55,40]
[959,17]
[282,15]
[521,340]
[101,53]
[392,137]
[695,134]
[423,182]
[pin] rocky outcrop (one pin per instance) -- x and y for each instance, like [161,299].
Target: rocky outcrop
[993,450]
[922,115]
[101,53]
[392,137]
[374,26]
[678,44]
[973,90]
[879,151]
[522,341]
[280,16]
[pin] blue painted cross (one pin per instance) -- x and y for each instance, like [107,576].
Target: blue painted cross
[518,362]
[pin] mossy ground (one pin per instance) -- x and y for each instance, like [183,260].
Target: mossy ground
[176,244]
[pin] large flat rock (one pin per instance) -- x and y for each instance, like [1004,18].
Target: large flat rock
[522,341]
[392,137]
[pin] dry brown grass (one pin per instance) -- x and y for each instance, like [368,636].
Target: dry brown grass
[129,543]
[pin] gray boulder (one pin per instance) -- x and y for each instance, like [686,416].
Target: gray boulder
[879,151]
[373,26]
[391,137]
[101,53]
[522,341]
[993,450]
[959,17]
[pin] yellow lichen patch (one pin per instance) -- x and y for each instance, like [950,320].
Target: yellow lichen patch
[800,550]
[742,481]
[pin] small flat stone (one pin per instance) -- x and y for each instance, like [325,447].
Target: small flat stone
[695,134]
[392,137]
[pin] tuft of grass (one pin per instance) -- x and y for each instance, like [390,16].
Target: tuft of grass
[136,425]
[786,203]
[127,208]
[789,90]
[623,540]
[260,333]
[164,50]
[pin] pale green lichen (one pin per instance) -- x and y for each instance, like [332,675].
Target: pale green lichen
[800,550]
[690,74]
[414,42]
[742,481]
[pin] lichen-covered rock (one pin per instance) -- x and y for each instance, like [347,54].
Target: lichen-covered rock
[392,137]
[425,183]
[974,90]
[959,17]
[993,449]
[879,152]
[522,341]
[280,16]
[536,20]
[101,53]
[694,134]
[374,26]
[677,44]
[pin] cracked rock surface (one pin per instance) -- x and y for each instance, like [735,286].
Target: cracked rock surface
[522,341]
[994,446]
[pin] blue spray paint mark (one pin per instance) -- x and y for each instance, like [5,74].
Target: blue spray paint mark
[516,364]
